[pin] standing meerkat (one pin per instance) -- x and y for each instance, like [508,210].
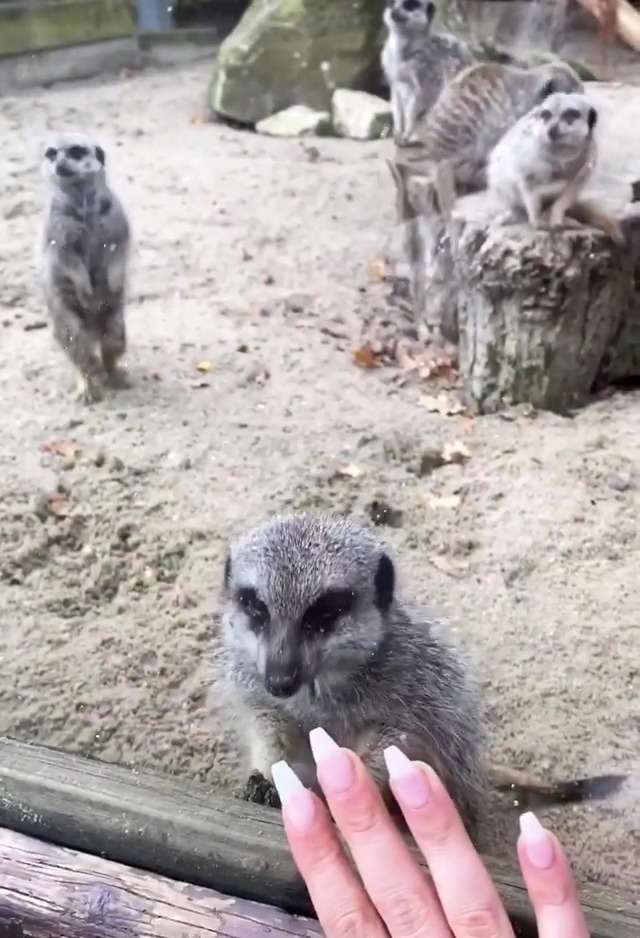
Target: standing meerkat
[82,257]
[417,63]
[545,160]
[315,634]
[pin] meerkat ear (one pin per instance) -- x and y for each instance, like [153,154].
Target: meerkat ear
[430,11]
[592,118]
[100,155]
[548,88]
[384,583]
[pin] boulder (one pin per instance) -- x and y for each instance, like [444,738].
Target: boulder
[360,116]
[296,121]
[287,52]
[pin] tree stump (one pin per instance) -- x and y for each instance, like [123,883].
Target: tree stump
[539,317]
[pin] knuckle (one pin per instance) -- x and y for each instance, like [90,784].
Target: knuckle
[348,923]
[477,923]
[362,815]
[406,913]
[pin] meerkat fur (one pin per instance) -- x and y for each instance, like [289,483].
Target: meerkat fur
[82,256]
[546,157]
[417,62]
[315,633]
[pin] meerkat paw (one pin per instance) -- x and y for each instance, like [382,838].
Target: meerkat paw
[118,378]
[89,389]
[259,790]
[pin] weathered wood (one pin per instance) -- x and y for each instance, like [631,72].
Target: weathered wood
[60,893]
[187,833]
[540,318]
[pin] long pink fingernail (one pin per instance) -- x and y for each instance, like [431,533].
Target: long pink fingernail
[338,774]
[296,800]
[538,844]
[409,783]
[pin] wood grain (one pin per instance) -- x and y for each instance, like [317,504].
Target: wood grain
[184,832]
[60,893]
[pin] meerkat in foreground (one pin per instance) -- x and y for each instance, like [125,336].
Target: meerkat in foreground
[545,160]
[417,63]
[315,634]
[82,256]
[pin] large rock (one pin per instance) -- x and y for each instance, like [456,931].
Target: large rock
[286,52]
[360,116]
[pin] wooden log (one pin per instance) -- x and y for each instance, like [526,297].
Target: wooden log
[59,893]
[186,833]
[540,318]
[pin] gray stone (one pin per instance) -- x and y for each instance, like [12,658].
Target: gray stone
[360,116]
[296,121]
[286,52]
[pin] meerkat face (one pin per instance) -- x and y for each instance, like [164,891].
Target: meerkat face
[409,14]
[565,121]
[306,602]
[72,159]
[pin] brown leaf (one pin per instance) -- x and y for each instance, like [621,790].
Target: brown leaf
[204,366]
[444,565]
[59,447]
[442,501]
[59,504]
[379,268]
[455,452]
[364,357]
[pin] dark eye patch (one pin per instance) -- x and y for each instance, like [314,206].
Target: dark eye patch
[100,155]
[571,115]
[411,5]
[546,115]
[50,154]
[253,607]
[322,615]
[76,152]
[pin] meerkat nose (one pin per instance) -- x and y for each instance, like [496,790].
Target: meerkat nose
[283,683]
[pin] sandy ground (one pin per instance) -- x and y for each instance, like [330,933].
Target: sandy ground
[257,259]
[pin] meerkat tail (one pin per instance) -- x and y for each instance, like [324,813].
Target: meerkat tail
[533,793]
[595,216]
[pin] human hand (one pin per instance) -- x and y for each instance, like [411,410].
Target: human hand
[392,897]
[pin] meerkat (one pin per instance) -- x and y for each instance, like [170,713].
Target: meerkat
[82,256]
[315,634]
[417,63]
[545,160]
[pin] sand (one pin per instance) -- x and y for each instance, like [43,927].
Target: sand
[256,258]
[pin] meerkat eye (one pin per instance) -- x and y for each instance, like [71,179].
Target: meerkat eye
[571,115]
[546,115]
[50,154]
[322,615]
[76,152]
[411,5]
[254,608]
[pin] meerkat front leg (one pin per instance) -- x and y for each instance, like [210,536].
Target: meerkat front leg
[269,740]
[531,203]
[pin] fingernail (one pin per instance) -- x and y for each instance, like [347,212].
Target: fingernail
[538,844]
[337,771]
[296,800]
[410,784]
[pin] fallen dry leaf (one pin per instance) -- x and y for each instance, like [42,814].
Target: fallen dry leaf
[364,357]
[204,366]
[444,565]
[58,447]
[442,501]
[59,504]
[455,452]
[379,268]
[349,472]
[442,404]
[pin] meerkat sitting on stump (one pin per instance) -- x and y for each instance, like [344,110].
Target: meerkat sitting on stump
[545,160]
[315,634]
[82,257]
[417,63]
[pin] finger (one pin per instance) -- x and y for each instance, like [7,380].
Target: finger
[549,881]
[339,899]
[400,891]
[467,894]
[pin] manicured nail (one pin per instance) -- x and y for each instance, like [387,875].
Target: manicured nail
[409,783]
[538,844]
[334,763]
[296,800]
